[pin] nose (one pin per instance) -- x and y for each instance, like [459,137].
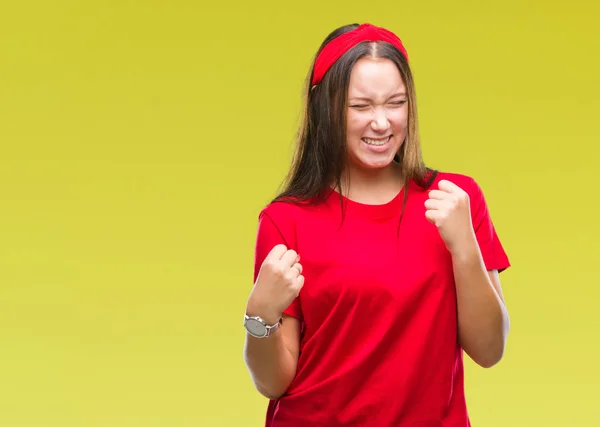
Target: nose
[380,121]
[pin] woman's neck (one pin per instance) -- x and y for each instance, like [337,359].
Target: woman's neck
[372,186]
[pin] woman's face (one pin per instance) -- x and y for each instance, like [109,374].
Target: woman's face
[377,114]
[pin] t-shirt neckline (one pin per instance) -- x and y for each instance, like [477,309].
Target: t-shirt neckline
[375,211]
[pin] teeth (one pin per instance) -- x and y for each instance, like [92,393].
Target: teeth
[376,141]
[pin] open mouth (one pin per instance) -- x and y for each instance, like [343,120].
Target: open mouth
[377,141]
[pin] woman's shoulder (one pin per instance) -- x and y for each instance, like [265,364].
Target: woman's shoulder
[464,181]
[289,208]
[279,208]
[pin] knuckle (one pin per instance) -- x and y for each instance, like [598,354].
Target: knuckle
[269,265]
[277,270]
[279,247]
[292,252]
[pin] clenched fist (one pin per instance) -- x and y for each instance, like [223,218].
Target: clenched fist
[278,283]
[448,208]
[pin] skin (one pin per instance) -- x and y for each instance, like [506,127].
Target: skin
[483,322]
[377,110]
[272,361]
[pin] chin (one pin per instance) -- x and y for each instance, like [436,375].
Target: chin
[371,164]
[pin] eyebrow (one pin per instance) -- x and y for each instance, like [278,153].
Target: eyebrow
[364,98]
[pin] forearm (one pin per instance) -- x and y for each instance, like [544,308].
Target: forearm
[271,365]
[483,321]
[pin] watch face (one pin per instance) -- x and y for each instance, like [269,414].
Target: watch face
[256,328]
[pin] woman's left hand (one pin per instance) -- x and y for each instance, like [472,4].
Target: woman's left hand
[448,208]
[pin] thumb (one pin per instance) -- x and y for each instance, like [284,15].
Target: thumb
[430,215]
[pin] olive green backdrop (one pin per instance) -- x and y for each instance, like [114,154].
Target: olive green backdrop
[139,140]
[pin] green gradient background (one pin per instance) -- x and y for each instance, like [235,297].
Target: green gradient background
[139,140]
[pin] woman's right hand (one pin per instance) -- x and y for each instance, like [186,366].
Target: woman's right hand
[278,283]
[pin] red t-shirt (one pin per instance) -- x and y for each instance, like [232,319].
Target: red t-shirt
[379,340]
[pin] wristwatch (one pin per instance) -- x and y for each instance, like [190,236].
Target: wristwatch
[258,328]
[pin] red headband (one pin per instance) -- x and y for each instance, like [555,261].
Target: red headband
[343,43]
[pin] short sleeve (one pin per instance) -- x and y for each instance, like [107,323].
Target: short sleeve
[492,251]
[269,235]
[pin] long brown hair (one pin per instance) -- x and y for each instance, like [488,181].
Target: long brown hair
[320,155]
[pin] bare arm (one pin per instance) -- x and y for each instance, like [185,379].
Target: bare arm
[272,361]
[483,321]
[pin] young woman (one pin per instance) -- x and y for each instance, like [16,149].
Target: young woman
[373,273]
